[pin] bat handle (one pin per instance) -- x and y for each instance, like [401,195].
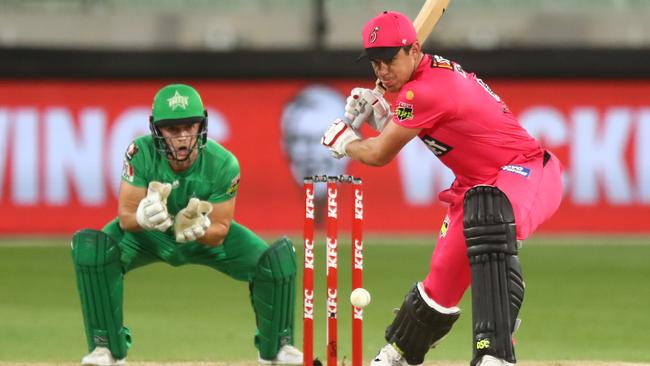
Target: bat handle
[379,87]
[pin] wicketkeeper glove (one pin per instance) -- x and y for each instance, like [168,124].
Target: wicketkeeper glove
[367,105]
[192,222]
[338,136]
[152,211]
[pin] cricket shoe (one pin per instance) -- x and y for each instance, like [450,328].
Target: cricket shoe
[493,361]
[101,356]
[287,355]
[388,356]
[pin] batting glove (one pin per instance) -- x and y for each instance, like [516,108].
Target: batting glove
[367,105]
[338,136]
[192,222]
[152,211]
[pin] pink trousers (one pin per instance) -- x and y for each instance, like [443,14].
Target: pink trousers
[535,192]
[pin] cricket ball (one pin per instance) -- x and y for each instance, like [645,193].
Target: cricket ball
[360,297]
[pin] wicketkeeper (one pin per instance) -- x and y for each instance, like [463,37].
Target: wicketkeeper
[506,186]
[176,204]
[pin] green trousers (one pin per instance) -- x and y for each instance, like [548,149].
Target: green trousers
[100,278]
[236,257]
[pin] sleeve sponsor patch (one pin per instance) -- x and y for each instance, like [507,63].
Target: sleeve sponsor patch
[131,151]
[404,111]
[234,186]
[517,169]
[127,171]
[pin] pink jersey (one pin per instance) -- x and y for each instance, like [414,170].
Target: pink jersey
[464,123]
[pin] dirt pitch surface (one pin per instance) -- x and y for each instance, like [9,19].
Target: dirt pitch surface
[437,363]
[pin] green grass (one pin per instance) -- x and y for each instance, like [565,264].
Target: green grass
[582,302]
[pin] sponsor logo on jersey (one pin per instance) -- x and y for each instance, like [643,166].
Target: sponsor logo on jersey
[404,111]
[444,227]
[459,70]
[517,169]
[178,101]
[127,171]
[234,185]
[437,147]
[131,151]
[441,62]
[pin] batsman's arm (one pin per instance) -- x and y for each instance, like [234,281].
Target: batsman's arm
[220,219]
[127,204]
[382,149]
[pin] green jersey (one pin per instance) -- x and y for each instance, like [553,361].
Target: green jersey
[214,176]
[103,258]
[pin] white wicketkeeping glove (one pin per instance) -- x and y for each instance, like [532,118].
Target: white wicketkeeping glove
[367,105]
[192,222]
[338,136]
[152,211]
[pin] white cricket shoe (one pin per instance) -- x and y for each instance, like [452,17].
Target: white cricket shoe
[287,355]
[493,361]
[388,356]
[101,356]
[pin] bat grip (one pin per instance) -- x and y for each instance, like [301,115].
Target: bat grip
[379,87]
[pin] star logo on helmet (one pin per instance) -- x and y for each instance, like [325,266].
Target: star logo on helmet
[178,101]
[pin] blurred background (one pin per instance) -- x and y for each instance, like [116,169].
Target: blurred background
[77,78]
[76,82]
[228,25]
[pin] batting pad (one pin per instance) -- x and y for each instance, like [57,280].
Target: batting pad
[273,294]
[100,283]
[419,324]
[497,280]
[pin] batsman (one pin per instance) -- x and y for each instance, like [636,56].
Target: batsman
[176,205]
[506,185]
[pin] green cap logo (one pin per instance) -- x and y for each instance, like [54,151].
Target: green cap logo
[177,101]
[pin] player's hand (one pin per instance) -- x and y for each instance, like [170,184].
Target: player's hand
[152,211]
[338,136]
[192,222]
[367,105]
[357,110]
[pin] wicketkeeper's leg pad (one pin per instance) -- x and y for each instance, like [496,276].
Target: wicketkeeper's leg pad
[419,325]
[497,281]
[100,283]
[273,295]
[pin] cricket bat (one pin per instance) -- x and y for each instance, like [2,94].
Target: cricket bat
[427,18]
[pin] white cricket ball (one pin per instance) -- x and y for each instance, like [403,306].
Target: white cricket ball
[360,297]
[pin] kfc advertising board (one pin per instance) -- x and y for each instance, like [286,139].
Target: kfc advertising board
[62,145]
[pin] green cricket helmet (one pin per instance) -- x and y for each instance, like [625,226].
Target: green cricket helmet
[177,104]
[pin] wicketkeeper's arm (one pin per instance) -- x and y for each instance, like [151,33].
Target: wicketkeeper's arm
[150,213]
[128,200]
[220,219]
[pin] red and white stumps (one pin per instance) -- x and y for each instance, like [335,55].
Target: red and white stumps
[332,185]
[308,275]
